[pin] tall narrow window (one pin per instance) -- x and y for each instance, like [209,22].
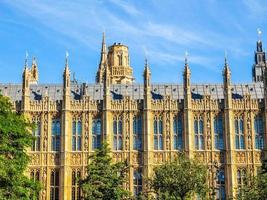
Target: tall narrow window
[96,133]
[258,127]
[137,133]
[239,133]
[117,133]
[54,185]
[178,132]
[55,135]
[75,192]
[158,132]
[37,137]
[137,182]
[76,135]
[218,132]
[120,59]
[241,174]
[220,186]
[35,175]
[198,129]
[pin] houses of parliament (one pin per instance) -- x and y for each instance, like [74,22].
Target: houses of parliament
[223,125]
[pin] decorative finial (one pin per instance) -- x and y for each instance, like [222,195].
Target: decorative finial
[34,61]
[259,33]
[185,56]
[146,64]
[66,57]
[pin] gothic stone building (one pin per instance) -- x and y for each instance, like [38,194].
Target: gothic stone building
[223,125]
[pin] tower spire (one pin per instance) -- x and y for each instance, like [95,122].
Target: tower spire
[147,74]
[103,61]
[103,56]
[26,60]
[66,62]
[186,66]
[226,73]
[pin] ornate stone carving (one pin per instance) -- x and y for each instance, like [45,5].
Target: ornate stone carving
[35,159]
[200,156]
[240,157]
[76,159]
[158,157]
[54,158]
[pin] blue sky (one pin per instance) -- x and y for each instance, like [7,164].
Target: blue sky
[161,30]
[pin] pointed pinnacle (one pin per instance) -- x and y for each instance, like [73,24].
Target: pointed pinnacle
[103,50]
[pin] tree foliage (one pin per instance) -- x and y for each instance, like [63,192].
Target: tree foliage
[255,188]
[180,179]
[15,138]
[104,180]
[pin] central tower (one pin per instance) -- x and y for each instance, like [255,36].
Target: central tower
[118,62]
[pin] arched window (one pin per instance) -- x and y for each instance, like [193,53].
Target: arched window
[158,132]
[120,59]
[220,185]
[137,132]
[137,182]
[178,132]
[75,189]
[239,133]
[55,135]
[218,132]
[198,129]
[258,128]
[76,135]
[36,144]
[35,175]
[54,185]
[117,133]
[96,133]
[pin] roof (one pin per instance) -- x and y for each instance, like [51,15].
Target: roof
[158,91]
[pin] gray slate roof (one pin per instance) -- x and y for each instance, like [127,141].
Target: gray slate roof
[95,91]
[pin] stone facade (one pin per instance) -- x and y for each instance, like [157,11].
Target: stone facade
[222,125]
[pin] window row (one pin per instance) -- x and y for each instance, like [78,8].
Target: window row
[178,140]
[75,187]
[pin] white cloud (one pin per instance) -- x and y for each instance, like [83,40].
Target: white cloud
[127,7]
[83,22]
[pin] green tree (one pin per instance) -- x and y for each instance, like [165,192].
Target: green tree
[180,179]
[104,180]
[254,188]
[15,138]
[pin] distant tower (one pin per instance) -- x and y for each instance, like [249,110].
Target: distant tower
[34,72]
[118,61]
[260,61]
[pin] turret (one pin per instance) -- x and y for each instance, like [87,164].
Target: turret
[66,84]
[227,84]
[187,90]
[26,76]
[119,64]
[259,61]
[188,132]
[147,86]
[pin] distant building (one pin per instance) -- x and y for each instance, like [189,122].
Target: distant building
[223,125]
